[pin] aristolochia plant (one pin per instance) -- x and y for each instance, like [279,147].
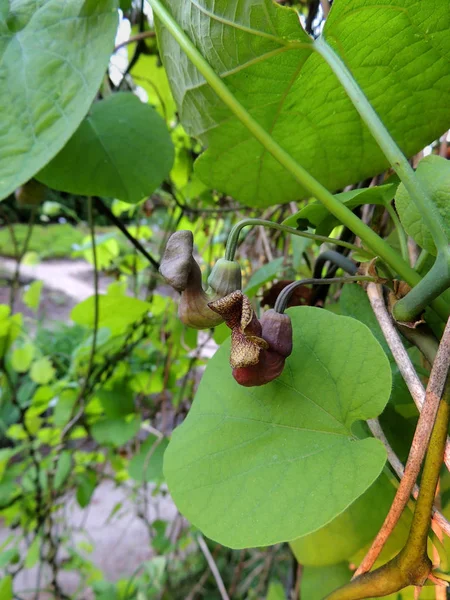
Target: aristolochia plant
[277,452]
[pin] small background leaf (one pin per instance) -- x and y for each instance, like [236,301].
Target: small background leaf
[324,222]
[42,371]
[127,160]
[433,173]
[147,465]
[22,357]
[115,432]
[275,591]
[32,296]
[263,275]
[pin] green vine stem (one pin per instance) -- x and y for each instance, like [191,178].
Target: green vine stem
[233,238]
[337,259]
[435,282]
[373,241]
[400,231]
[438,279]
[283,298]
[420,263]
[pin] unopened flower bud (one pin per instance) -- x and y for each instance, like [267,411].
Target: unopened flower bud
[277,331]
[178,261]
[181,271]
[225,277]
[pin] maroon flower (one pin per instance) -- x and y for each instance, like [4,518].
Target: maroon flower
[258,348]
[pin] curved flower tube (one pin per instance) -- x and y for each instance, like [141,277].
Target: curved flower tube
[181,271]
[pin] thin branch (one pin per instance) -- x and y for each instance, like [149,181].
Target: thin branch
[424,425]
[105,210]
[212,565]
[20,254]
[374,425]
[135,38]
[401,357]
[84,388]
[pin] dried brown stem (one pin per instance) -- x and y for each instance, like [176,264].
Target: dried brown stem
[424,425]
[401,357]
[212,565]
[439,521]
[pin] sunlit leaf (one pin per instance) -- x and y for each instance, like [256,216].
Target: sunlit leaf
[42,371]
[22,357]
[32,296]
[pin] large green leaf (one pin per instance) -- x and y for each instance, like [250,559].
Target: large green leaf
[318,582]
[350,531]
[53,56]
[245,456]
[121,149]
[397,50]
[434,175]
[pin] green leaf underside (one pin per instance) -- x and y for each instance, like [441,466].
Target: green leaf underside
[53,56]
[434,174]
[318,216]
[122,149]
[245,456]
[267,62]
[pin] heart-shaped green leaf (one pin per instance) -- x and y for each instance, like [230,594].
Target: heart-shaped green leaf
[434,175]
[245,456]
[53,56]
[397,51]
[121,149]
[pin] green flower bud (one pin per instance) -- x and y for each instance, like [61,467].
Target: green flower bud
[225,277]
